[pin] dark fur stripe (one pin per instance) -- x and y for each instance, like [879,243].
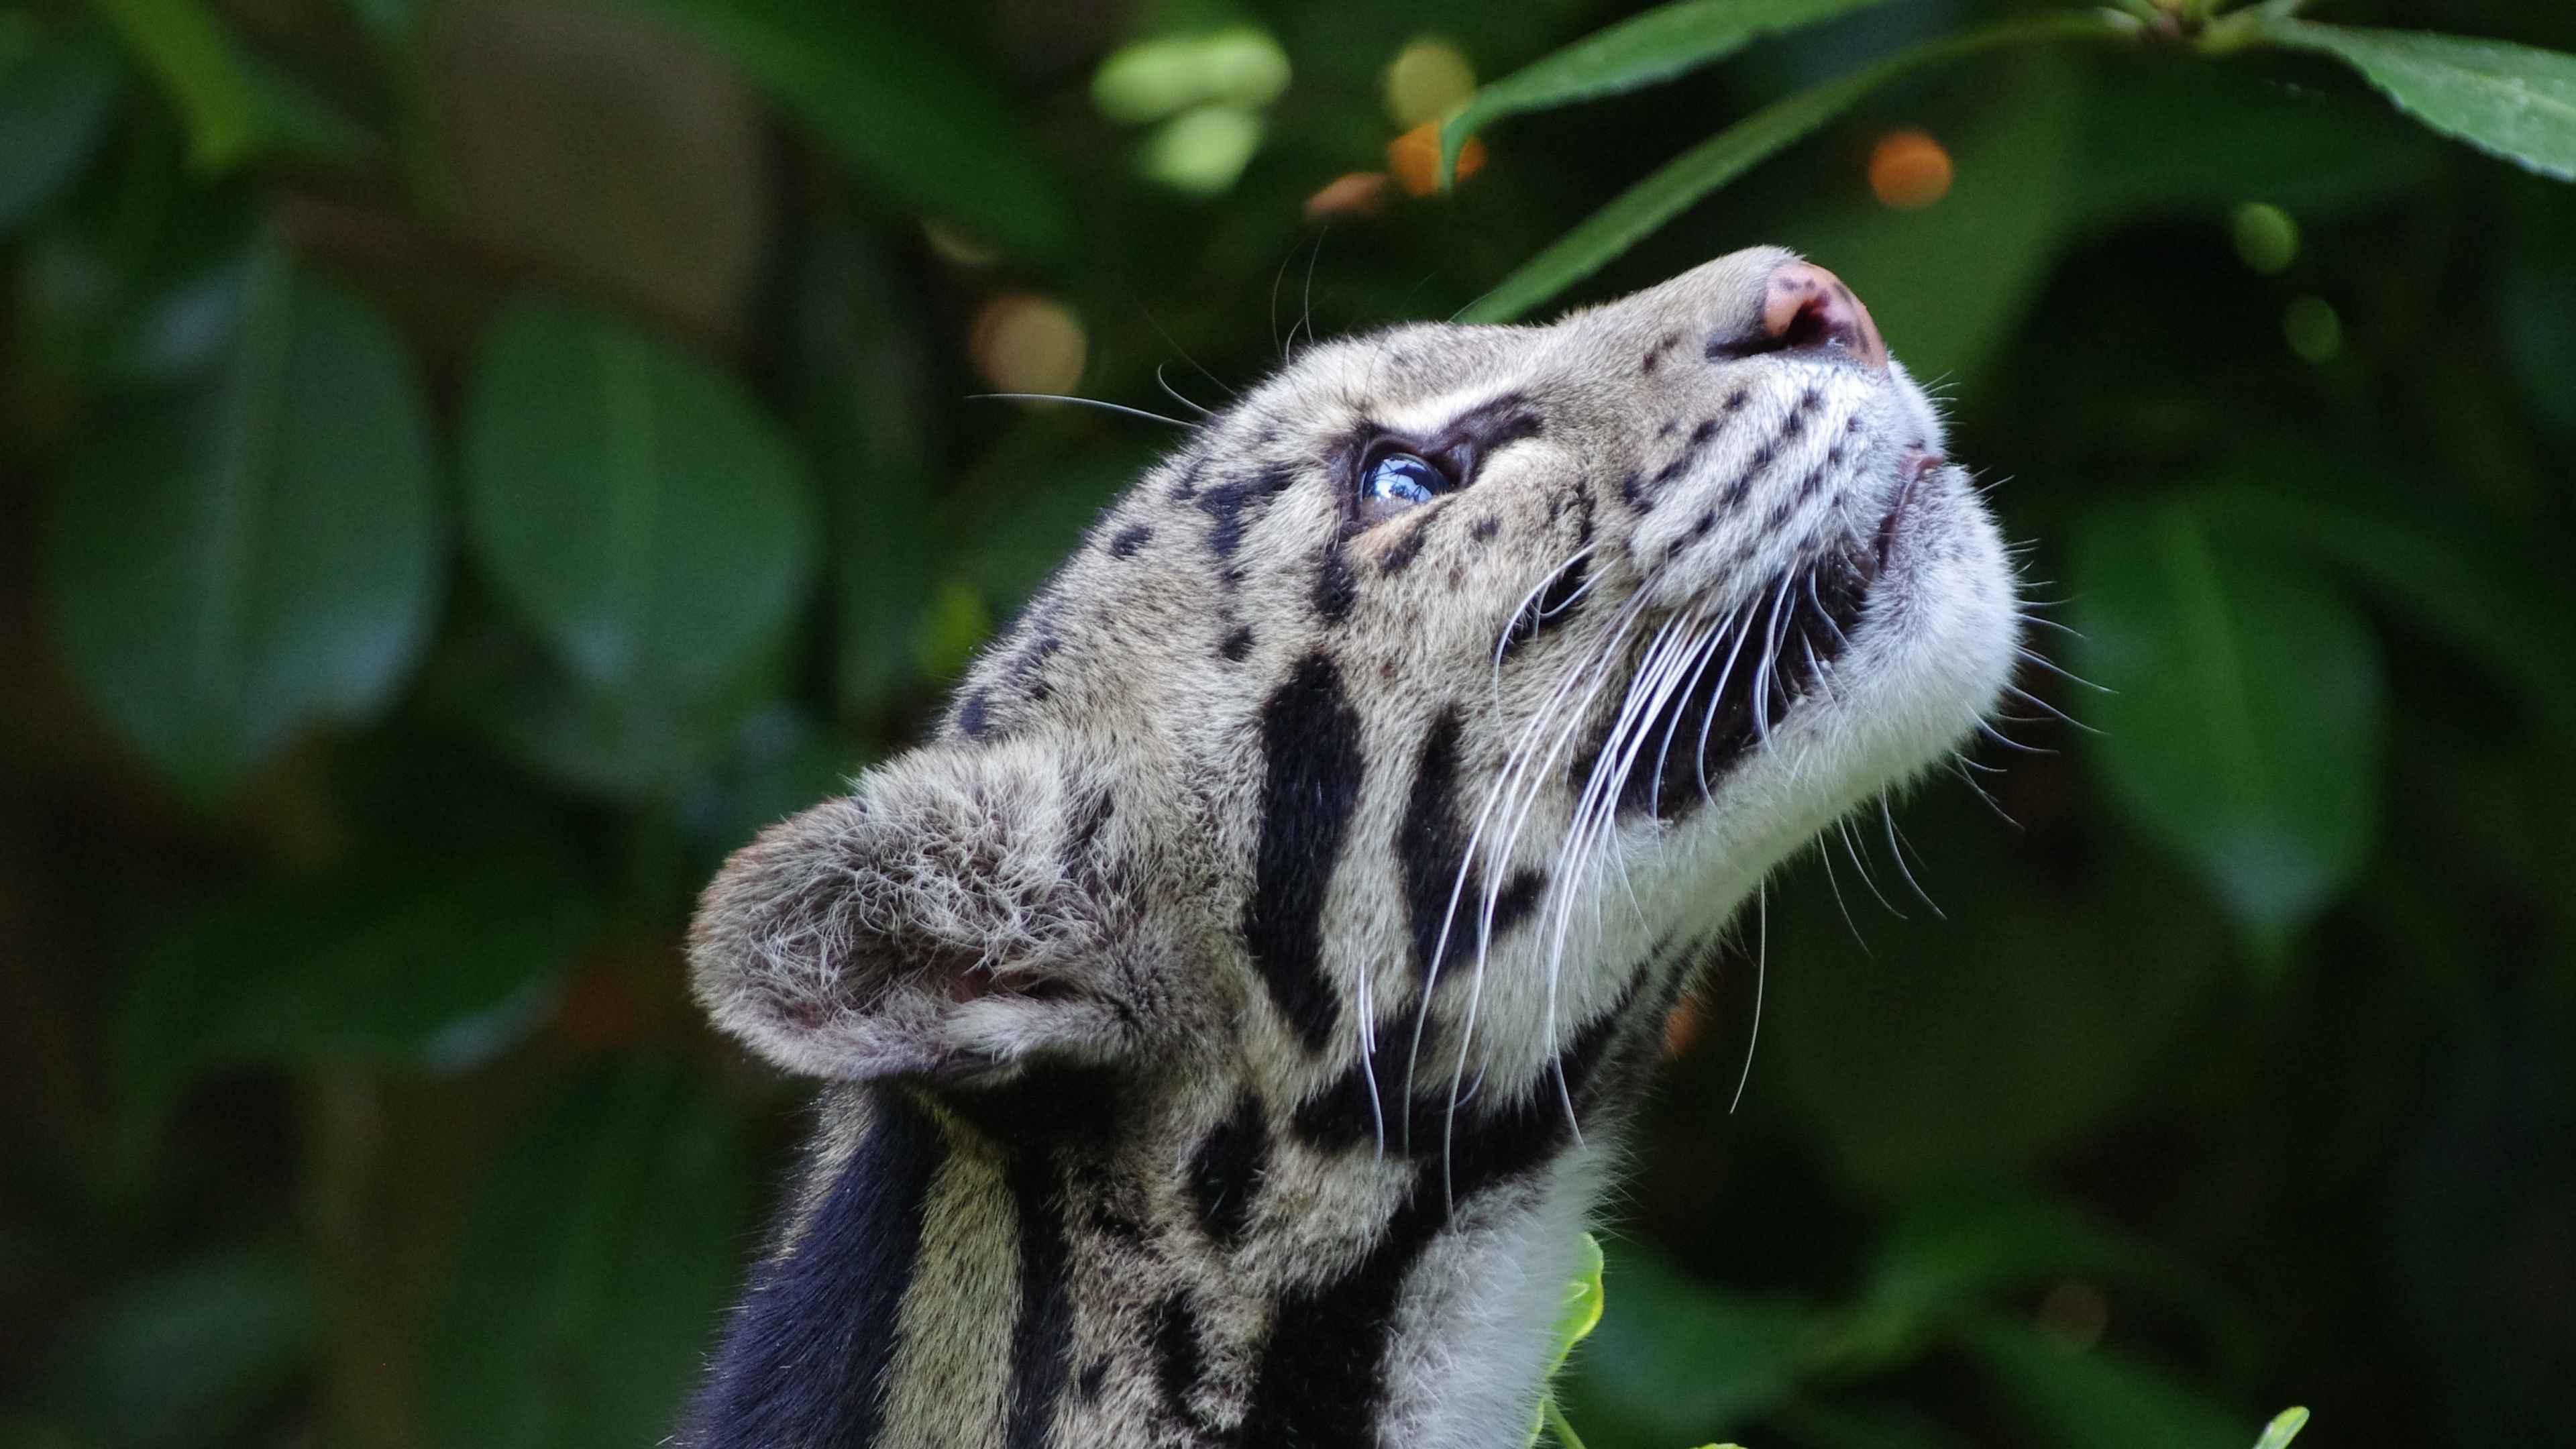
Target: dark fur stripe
[1431,845]
[1226,1170]
[1042,1342]
[805,1358]
[1553,607]
[1322,1374]
[1310,739]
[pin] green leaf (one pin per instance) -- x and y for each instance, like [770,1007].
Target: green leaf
[1643,50]
[436,963]
[896,108]
[632,502]
[1678,1362]
[1574,1322]
[2285,1426]
[187,1356]
[192,58]
[1642,208]
[1924,1048]
[2513,101]
[2097,1399]
[233,563]
[2238,710]
[2478,593]
[55,103]
[859,371]
[592,1266]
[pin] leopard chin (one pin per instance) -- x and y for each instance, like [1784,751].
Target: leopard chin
[1229,1017]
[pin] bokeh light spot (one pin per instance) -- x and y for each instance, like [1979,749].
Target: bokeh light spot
[1202,152]
[2314,331]
[1908,169]
[2266,237]
[1361,193]
[1414,159]
[2072,1315]
[1427,81]
[1155,78]
[1022,342]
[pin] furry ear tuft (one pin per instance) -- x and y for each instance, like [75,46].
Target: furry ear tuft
[945,920]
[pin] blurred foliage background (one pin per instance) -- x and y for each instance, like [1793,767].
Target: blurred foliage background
[465,466]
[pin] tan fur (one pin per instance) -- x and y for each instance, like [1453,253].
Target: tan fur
[1069,890]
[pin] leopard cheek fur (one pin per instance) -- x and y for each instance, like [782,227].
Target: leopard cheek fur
[1232,1012]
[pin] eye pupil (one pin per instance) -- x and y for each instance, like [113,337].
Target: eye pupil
[1399,481]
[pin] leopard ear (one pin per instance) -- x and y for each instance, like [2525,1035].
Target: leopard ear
[944,921]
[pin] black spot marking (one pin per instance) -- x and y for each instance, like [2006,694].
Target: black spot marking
[1094,1375]
[1310,738]
[1736,398]
[1028,670]
[1407,544]
[1237,646]
[1130,539]
[1699,528]
[1810,485]
[1632,491]
[1336,587]
[1178,1362]
[1227,1169]
[1225,504]
[830,1297]
[1553,607]
[974,715]
[1484,529]
[1518,898]
[1737,490]
[1042,1339]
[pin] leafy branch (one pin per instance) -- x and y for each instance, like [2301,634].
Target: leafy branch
[2513,101]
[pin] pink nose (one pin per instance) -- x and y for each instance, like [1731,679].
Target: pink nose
[1807,308]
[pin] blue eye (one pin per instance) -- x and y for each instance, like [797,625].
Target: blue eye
[1397,482]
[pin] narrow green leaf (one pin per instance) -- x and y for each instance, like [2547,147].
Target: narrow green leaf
[2239,710]
[586,1284]
[1712,163]
[633,502]
[234,563]
[2285,1426]
[192,58]
[2097,1399]
[2513,101]
[55,102]
[1679,1362]
[907,117]
[1643,50]
[435,964]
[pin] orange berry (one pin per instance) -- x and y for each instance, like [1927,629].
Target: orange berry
[1908,169]
[1414,157]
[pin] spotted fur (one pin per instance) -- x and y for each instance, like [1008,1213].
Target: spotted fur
[1230,1013]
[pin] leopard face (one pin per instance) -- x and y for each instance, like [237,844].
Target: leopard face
[1293,893]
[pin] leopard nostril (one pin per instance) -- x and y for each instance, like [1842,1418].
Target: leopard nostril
[1806,308]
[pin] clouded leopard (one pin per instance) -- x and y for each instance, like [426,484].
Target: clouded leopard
[1228,1015]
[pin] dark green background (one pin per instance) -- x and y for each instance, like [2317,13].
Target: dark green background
[448,505]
